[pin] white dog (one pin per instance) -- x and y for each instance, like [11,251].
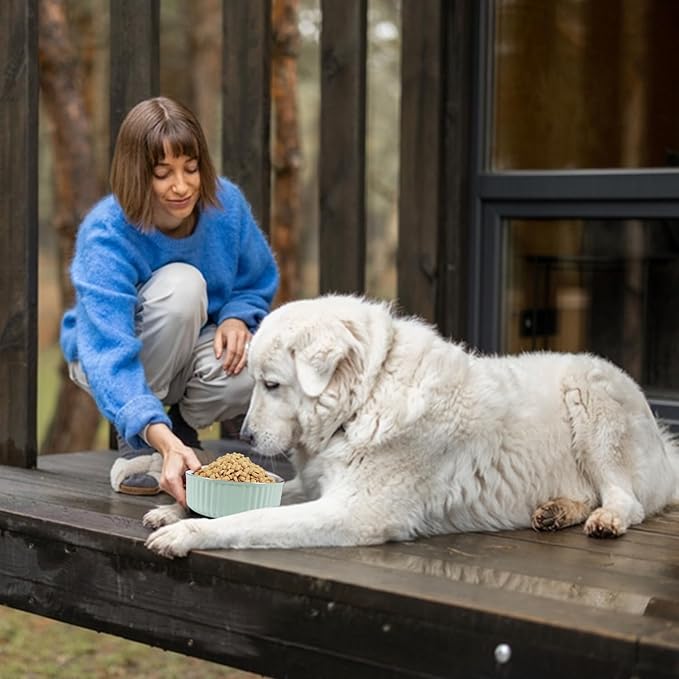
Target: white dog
[396,433]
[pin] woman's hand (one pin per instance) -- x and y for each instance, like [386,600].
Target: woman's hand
[231,345]
[177,458]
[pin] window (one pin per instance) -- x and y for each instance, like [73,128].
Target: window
[585,84]
[574,231]
[601,285]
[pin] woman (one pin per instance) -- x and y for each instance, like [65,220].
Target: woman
[172,276]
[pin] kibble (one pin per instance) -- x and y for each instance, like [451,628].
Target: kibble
[235,467]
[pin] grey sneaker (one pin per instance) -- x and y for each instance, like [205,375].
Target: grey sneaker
[136,471]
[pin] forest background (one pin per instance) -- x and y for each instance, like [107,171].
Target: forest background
[74,153]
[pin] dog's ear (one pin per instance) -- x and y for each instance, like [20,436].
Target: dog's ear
[316,363]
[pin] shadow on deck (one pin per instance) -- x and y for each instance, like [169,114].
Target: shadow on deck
[567,606]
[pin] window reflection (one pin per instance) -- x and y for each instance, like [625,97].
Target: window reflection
[610,287]
[585,84]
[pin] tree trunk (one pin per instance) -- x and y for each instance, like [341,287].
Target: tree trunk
[286,152]
[76,418]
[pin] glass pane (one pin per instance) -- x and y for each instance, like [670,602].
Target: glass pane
[609,287]
[585,84]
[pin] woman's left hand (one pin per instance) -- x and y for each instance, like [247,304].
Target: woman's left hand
[231,343]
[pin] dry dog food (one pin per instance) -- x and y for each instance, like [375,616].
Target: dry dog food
[235,467]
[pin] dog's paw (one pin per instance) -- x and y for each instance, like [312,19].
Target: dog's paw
[604,523]
[549,516]
[164,516]
[177,539]
[559,513]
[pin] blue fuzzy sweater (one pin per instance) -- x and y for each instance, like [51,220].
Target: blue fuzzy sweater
[113,258]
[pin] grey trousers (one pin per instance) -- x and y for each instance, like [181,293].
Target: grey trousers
[177,353]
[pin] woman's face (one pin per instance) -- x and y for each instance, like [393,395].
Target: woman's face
[176,190]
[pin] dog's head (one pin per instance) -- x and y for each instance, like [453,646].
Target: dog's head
[307,359]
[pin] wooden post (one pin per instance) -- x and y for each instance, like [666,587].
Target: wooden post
[342,146]
[135,49]
[420,178]
[436,63]
[459,21]
[18,231]
[246,102]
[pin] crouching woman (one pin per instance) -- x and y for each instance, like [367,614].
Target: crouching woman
[172,276]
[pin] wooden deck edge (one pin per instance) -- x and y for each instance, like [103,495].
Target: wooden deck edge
[246,616]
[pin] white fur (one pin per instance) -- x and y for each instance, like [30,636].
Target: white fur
[396,433]
[164,515]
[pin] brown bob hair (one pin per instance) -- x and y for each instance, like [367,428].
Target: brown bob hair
[140,146]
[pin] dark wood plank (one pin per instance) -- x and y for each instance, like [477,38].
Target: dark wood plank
[18,230]
[420,188]
[246,102]
[342,146]
[658,547]
[452,297]
[135,50]
[492,562]
[666,523]
[77,495]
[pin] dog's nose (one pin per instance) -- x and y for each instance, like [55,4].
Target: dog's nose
[247,436]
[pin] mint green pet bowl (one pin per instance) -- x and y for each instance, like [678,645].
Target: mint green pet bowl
[214,497]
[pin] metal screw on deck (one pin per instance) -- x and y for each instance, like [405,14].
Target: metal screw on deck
[503,653]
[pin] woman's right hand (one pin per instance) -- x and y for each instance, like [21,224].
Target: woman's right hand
[177,458]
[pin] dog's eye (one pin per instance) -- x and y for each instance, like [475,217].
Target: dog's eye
[270,386]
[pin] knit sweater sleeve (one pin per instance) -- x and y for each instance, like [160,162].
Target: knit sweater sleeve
[105,279]
[257,275]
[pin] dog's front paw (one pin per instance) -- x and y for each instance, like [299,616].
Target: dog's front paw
[164,515]
[604,523]
[177,539]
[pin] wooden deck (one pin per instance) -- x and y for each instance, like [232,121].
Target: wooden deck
[568,606]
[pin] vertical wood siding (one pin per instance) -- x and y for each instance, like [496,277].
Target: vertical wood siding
[135,49]
[342,146]
[246,97]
